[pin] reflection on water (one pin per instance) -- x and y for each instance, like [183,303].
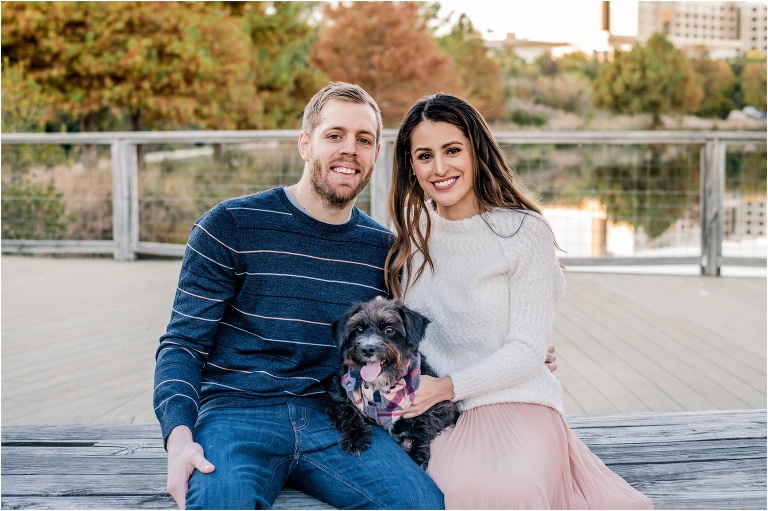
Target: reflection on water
[643,200]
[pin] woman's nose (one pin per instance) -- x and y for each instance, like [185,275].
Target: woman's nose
[441,167]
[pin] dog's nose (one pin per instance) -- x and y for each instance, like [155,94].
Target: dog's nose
[367,352]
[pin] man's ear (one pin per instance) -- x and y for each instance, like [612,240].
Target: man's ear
[303,144]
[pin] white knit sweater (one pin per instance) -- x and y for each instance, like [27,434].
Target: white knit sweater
[491,302]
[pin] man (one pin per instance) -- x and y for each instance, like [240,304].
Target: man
[240,371]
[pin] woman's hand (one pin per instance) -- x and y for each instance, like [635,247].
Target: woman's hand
[551,359]
[431,391]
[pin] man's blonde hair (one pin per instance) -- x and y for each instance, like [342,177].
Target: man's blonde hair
[340,91]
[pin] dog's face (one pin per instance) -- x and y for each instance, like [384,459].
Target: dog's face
[378,338]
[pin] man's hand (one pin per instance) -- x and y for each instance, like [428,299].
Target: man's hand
[550,360]
[184,456]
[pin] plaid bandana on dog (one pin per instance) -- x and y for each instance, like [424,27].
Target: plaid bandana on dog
[384,407]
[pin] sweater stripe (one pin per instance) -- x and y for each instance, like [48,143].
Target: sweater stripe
[264,372]
[275,340]
[278,319]
[211,260]
[262,210]
[164,401]
[199,296]
[311,278]
[182,381]
[194,317]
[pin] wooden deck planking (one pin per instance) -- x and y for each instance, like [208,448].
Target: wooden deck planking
[606,336]
[683,336]
[79,337]
[682,460]
[629,384]
[630,326]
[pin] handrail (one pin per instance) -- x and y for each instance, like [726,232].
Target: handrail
[125,243]
[504,136]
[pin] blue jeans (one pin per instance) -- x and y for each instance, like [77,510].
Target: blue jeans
[258,450]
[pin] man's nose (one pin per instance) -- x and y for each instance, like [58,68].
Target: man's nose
[349,146]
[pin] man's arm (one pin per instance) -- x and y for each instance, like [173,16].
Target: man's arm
[207,283]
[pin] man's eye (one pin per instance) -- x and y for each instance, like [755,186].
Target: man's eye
[365,141]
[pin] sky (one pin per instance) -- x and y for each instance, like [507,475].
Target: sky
[574,21]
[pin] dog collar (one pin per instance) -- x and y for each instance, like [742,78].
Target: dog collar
[385,406]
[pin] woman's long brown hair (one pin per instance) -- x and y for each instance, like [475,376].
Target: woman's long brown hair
[495,183]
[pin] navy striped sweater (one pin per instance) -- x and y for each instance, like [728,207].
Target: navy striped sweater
[260,284]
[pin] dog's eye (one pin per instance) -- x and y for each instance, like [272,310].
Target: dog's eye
[389,330]
[359,330]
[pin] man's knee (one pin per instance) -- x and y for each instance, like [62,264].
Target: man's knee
[426,496]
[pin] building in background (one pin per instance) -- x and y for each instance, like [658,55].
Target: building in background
[725,29]
[597,41]
[529,50]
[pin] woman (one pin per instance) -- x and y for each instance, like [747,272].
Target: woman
[475,255]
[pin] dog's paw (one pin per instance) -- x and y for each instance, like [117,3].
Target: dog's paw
[355,445]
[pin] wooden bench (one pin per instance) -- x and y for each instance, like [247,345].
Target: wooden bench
[687,460]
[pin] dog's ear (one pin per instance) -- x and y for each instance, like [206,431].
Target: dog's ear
[339,330]
[339,327]
[415,325]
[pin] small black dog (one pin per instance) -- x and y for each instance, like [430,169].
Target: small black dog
[379,342]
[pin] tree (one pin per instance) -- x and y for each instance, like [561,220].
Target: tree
[578,62]
[479,75]
[281,36]
[718,83]
[654,79]
[512,68]
[24,108]
[386,48]
[31,208]
[157,63]
[754,85]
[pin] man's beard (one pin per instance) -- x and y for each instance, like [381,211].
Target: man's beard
[332,197]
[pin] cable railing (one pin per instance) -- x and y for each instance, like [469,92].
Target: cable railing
[612,198]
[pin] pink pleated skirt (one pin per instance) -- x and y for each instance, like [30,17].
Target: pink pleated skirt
[523,456]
